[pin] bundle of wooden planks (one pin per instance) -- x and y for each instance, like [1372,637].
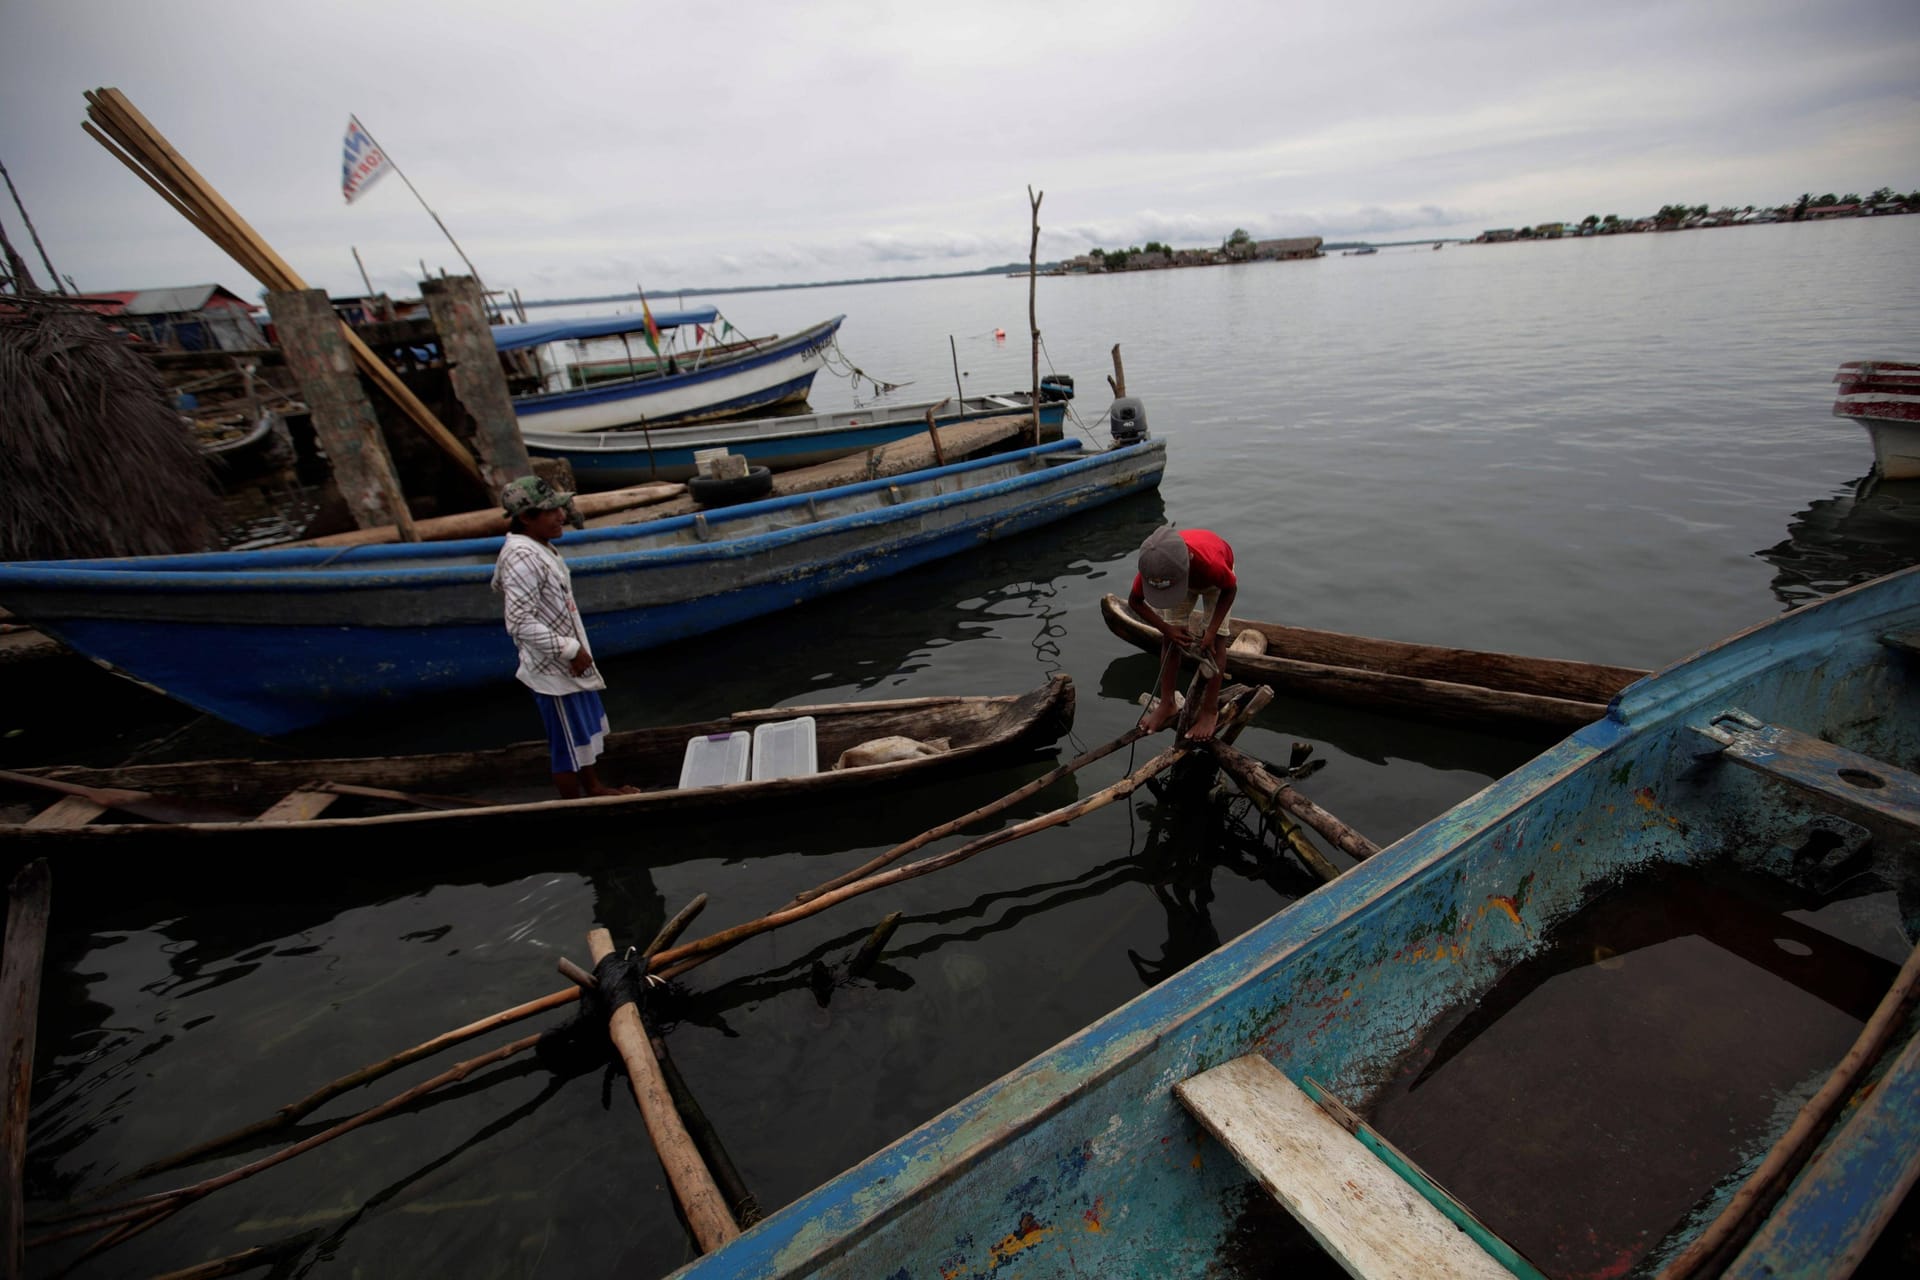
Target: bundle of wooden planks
[116,124]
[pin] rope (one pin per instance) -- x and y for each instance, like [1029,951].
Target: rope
[835,361]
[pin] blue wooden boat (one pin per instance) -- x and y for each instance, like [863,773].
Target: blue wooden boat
[614,459]
[277,640]
[1423,989]
[699,386]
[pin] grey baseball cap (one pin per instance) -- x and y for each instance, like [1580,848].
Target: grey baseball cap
[1163,568]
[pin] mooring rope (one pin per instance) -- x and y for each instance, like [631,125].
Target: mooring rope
[835,361]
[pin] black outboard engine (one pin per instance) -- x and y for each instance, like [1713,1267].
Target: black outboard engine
[1055,387]
[1128,420]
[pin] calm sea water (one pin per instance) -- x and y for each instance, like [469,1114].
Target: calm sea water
[1617,450]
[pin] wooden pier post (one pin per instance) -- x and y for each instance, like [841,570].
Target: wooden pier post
[316,348]
[28,904]
[459,312]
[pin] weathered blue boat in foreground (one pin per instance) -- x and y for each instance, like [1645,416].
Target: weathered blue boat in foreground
[277,640]
[1587,1000]
[612,459]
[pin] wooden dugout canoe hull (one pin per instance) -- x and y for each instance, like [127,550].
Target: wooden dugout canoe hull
[1545,697]
[1082,1162]
[982,730]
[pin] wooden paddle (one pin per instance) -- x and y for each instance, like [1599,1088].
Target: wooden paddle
[141,804]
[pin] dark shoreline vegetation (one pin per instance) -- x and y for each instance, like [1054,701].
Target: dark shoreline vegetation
[1671,217]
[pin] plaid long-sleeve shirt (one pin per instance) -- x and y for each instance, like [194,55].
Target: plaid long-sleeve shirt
[542,617]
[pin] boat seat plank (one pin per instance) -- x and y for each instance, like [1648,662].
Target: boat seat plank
[68,811]
[1853,781]
[1904,641]
[1369,1219]
[299,806]
[1842,1201]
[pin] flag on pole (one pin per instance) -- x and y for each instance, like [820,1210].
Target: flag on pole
[653,330]
[363,163]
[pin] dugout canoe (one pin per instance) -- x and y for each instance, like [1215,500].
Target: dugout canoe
[506,791]
[1523,1001]
[1534,697]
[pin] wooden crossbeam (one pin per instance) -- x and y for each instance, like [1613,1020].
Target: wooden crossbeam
[71,811]
[1366,1217]
[1844,778]
[299,806]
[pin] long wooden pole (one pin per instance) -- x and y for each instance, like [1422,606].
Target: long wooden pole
[945,829]
[205,208]
[1716,1245]
[142,1207]
[677,960]
[1033,314]
[1245,769]
[294,1111]
[29,903]
[693,1185]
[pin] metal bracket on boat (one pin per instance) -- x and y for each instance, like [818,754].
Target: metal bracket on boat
[1856,783]
[813,509]
[1726,728]
[700,527]
[894,496]
[1907,642]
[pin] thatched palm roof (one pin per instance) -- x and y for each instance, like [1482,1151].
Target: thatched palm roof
[97,462]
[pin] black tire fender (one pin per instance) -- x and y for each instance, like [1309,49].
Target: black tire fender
[709,492]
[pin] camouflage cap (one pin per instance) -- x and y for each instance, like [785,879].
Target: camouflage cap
[531,493]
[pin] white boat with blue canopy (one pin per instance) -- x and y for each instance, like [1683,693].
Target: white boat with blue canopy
[277,640]
[614,459]
[1644,1006]
[702,380]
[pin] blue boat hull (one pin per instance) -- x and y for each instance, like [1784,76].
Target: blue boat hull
[780,373]
[275,641]
[1083,1163]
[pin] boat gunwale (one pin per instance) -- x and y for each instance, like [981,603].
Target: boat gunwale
[313,568]
[1048,705]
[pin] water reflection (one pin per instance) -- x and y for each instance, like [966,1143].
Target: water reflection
[1868,530]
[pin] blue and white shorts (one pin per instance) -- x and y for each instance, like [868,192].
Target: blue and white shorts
[576,728]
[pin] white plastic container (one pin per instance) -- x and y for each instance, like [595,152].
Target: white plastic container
[703,460]
[784,749]
[716,759]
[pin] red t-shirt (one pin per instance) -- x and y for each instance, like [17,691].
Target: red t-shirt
[1209,562]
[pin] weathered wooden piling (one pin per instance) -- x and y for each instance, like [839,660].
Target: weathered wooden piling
[459,313]
[29,902]
[343,418]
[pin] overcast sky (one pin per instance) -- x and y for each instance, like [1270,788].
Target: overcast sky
[581,148]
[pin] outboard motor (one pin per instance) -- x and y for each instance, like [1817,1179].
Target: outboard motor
[1128,420]
[1055,387]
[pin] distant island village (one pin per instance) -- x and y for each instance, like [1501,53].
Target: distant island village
[1240,246]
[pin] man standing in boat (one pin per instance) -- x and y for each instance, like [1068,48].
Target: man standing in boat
[1185,590]
[545,625]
